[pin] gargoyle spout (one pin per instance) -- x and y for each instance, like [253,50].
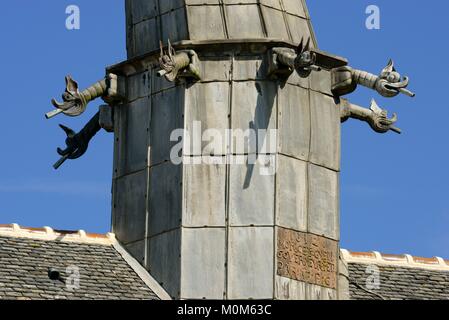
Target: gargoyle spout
[174,65]
[304,59]
[75,102]
[376,117]
[77,143]
[388,84]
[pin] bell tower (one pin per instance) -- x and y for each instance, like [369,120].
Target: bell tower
[226,120]
[225,222]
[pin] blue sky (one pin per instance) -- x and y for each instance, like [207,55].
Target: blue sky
[394,189]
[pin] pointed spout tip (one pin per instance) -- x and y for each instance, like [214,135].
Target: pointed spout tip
[53,113]
[396,130]
[60,162]
[407,92]
[161,73]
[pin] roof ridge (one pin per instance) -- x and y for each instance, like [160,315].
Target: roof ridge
[404,260]
[49,234]
[82,237]
[142,273]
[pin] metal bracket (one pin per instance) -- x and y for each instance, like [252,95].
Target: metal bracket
[106,119]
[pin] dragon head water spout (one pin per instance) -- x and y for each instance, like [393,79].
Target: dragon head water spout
[174,65]
[390,83]
[74,102]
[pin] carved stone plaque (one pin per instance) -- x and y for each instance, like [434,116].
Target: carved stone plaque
[307,257]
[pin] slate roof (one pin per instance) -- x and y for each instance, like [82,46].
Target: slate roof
[104,273]
[107,272]
[399,278]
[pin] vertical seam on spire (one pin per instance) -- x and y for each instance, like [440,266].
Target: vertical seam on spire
[222,7]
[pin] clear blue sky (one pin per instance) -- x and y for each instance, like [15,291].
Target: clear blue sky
[394,189]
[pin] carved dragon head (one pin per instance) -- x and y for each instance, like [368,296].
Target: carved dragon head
[305,61]
[175,65]
[390,82]
[74,103]
[380,121]
[168,63]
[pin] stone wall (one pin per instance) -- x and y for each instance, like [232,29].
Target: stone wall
[150,21]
